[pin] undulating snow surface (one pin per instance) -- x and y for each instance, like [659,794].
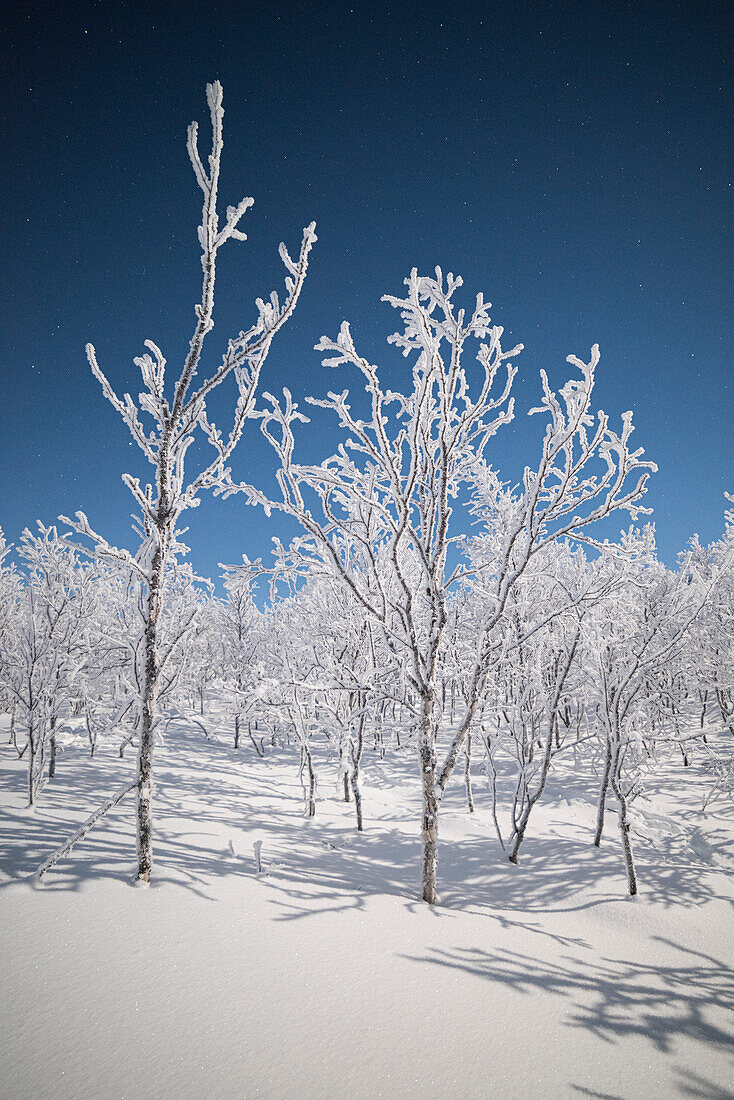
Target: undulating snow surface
[323,976]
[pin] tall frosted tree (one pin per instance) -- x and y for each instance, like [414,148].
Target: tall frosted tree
[176,411]
[392,486]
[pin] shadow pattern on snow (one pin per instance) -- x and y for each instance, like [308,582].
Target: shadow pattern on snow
[208,808]
[615,998]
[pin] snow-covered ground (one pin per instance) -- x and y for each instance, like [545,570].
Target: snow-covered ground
[323,976]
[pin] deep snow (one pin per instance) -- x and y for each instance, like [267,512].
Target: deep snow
[324,977]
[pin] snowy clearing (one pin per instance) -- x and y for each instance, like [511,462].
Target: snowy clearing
[324,976]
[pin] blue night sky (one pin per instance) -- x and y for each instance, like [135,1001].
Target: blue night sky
[571,160]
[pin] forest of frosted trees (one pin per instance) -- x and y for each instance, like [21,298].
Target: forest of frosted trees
[429,608]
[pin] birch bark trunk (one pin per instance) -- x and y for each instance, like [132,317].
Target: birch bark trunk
[467,776]
[150,685]
[602,802]
[429,822]
[31,767]
[52,758]
[309,792]
[356,754]
[624,828]
[531,799]
[145,752]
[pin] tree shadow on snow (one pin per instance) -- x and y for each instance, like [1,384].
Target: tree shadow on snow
[616,998]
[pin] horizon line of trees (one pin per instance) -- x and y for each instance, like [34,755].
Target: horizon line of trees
[609,656]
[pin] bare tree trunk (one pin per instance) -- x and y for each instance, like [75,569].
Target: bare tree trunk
[14,737]
[236,731]
[429,821]
[31,768]
[429,826]
[309,793]
[145,753]
[259,749]
[726,709]
[356,753]
[357,800]
[91,733]
[602,802]
[311,785]
[345,780]
[467,776]
[36,758]
[624,828]
[52,758]
[530,800]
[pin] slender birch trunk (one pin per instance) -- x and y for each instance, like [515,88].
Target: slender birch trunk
[259,749]
[150,683]
[309,792]
[467,776]
[311,785]
[31,767]
[603,788]
[354,780]
[356,754]
[530,800]
[145,752]
[429,821]
[52,743]
[624,828]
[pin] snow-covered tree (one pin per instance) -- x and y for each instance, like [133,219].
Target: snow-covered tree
[342,644]
[705,669]
[529,711]
[239,627]
[45,645]
[10,602]
[176,413]
[390,489]
[630,640]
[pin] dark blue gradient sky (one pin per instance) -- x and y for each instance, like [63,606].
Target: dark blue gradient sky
[571,160]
